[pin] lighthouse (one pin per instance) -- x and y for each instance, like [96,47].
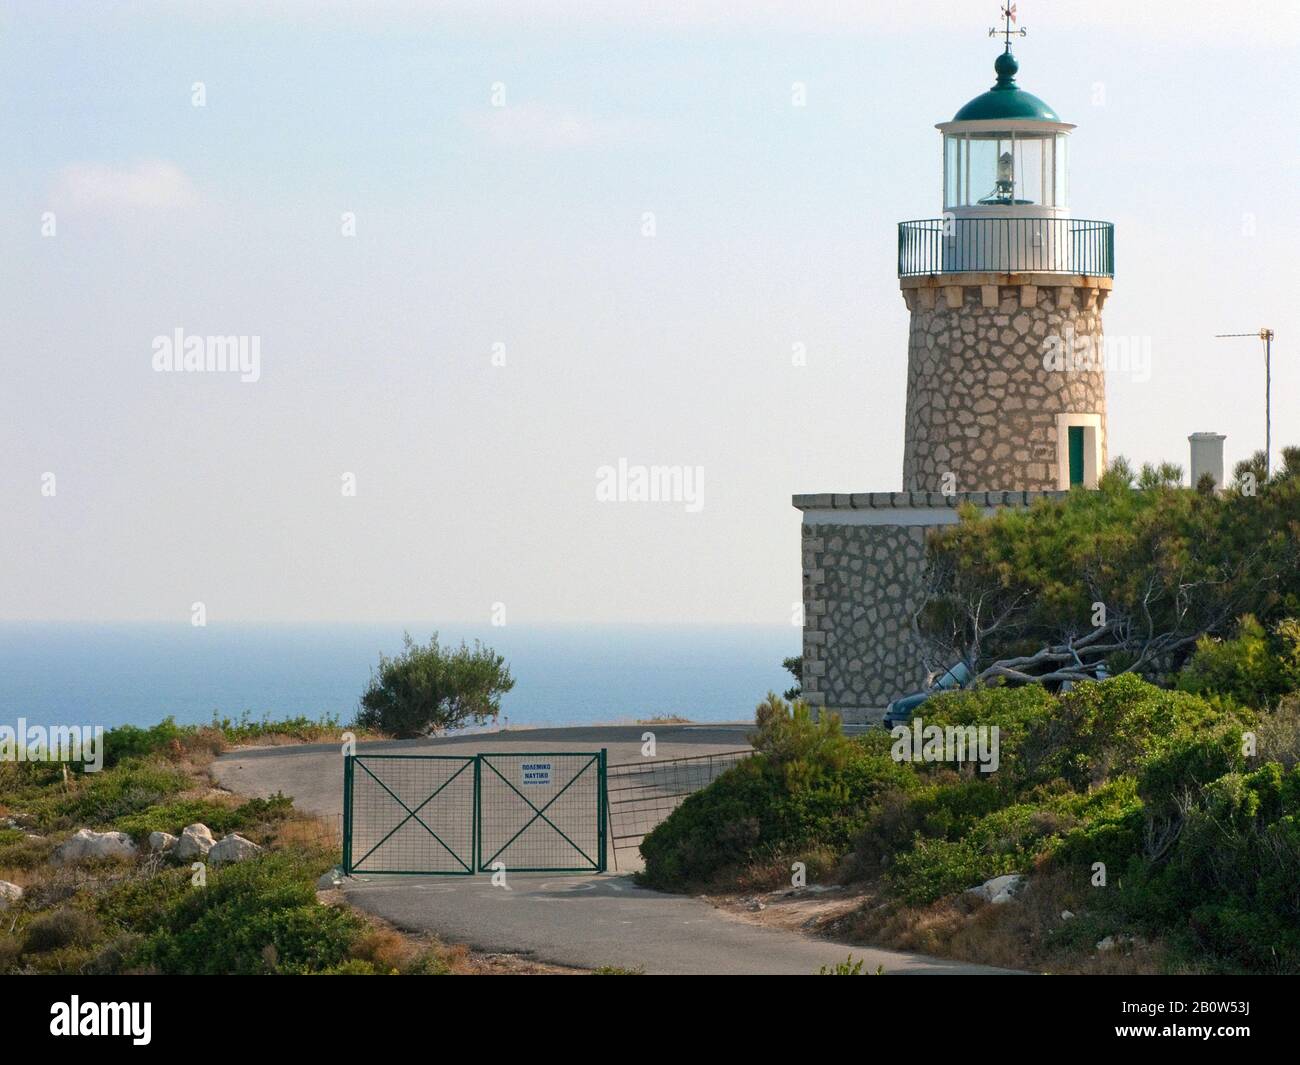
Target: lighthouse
[1006,385]
[1006,389]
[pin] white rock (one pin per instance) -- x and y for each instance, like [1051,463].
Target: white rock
[1066,915]
[195,842]
[86,843]
[1000,889]
[1106,944]
[9,894]
[329,880]
[161,841]
[234,848]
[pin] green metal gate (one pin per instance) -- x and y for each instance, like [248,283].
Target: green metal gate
[455,815]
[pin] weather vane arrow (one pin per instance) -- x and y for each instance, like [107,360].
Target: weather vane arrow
[1008,17]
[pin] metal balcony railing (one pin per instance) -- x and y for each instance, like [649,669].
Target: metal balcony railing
[1006,246]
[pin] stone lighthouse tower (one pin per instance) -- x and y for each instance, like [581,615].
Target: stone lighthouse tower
[1006,376]
[1006,391]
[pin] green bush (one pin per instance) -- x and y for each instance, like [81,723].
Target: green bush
[103,798]
[64,927]
[174,816]
[1254,667]
[934,868]
[430,688]
[808,788]
[254,917]
[129,741]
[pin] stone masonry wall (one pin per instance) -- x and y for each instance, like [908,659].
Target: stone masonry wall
[859,593]
[979,402]
[863,567]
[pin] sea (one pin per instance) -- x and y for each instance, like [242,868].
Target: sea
[138,673]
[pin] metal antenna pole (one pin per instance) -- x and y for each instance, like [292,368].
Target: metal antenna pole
[1266,335]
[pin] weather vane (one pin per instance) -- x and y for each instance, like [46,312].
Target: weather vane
[1009,16]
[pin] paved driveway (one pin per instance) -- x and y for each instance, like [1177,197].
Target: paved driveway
[582,921]
[589,921]
[313,773]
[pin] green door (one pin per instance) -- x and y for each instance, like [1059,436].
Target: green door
[1076,455]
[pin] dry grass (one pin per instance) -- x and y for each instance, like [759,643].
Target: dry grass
[1026,933]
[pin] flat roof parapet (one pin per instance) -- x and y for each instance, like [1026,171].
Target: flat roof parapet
[914,500]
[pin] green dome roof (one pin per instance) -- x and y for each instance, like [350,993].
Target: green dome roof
[1006,99]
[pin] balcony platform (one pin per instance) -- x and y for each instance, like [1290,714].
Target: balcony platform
[1077,247]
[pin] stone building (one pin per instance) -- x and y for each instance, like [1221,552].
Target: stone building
[1006,390]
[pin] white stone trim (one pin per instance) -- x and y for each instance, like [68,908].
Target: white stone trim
[1091,448]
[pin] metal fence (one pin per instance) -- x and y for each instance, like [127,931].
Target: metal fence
[1006,245]
[457,815]
[642,794]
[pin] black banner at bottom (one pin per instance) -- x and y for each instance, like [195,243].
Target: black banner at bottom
[146,1014]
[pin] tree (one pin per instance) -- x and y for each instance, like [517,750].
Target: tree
[428,689]
[795,665]
[1120,579]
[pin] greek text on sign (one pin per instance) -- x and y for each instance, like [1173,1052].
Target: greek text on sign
[536,772]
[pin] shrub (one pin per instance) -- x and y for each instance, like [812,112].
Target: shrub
[129,741]
[1278,733]
[102,798]
[63,927]
[808,788]
[255,917]
[1253,667]
[430,688]
[174,816]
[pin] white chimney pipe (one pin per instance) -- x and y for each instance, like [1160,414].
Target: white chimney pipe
[1207,457]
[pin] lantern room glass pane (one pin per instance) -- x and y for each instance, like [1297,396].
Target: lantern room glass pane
[1029,171]
[952,183]
[1062,170]
[984,153]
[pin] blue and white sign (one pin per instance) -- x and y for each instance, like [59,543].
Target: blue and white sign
[535,772]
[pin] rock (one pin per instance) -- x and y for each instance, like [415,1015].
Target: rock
[195,842]
[1000,889]
[1117,941]
[234,848]
[86,844]
[10,894]
[160,842]
[330,880]
[756,904]
[1066,915]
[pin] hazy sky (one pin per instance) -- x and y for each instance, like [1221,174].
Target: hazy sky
[524,226]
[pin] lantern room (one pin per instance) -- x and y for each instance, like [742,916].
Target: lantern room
[1006,153]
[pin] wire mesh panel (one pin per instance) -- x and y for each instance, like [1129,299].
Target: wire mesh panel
[542,812]
[642,794]
[410,814]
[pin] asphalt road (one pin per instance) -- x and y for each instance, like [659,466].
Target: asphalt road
[313,773]
[581,921]
[590,921]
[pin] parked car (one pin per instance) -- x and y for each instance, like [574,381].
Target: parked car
[900,711]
